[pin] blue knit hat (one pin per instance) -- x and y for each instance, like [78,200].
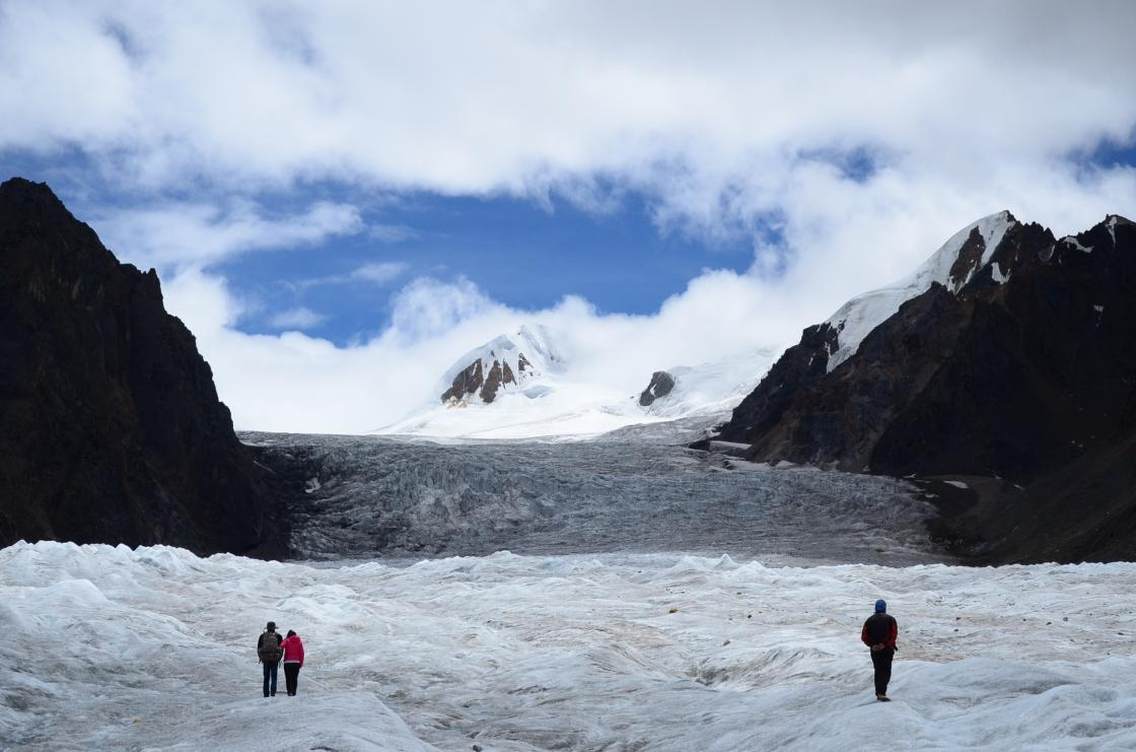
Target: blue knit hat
[881,606]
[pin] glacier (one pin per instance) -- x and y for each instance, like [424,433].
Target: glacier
[372,496]
[611,595]
[153,649]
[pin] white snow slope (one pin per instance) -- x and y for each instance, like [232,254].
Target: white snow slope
[552,401]
[111,649]
[860,315]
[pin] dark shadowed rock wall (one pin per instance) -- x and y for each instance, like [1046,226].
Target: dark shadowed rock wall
[110,426]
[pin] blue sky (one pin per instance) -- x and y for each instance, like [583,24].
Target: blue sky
[524,254]
[329,191]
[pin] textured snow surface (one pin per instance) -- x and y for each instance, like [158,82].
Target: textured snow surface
[112,649]
[711,388]
[859,316]
[376,496]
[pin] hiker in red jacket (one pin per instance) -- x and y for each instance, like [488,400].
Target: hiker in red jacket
[293,661]
[879,634]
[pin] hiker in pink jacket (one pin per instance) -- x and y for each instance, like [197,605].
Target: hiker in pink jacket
[293,661]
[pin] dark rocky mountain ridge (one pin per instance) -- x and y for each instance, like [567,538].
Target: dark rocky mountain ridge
[1026,372]
[110,426]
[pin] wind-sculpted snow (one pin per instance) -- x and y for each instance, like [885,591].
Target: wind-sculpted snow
[371,496]
[112,649]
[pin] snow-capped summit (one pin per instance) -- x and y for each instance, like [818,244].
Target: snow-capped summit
[521,385]
[957,262]
[515,386]
[506,363]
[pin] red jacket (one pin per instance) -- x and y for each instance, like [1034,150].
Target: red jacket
[293,650]
[880,628]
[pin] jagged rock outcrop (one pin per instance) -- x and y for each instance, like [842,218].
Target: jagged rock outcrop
[660,385]
[472,380]
[1026,368]
[110,426]
[501,363]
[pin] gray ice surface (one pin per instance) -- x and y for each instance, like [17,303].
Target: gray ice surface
[378,497]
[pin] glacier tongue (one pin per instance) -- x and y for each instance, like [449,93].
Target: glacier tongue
[112,649]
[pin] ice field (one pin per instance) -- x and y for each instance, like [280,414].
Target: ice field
[109,648]
[370,496]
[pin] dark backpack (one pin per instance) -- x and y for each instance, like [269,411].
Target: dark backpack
[879,627]
[268,647]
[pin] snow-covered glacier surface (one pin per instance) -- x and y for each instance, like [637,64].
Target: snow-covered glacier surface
[371,496]
[108,648]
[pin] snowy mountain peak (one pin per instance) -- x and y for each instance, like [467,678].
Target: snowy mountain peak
[953,265]
[505,363]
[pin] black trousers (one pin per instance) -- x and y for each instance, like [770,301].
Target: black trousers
[881,660]
[291,676]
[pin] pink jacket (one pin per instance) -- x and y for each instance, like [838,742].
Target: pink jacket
[293,650]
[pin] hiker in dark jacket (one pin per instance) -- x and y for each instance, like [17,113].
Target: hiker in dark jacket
[269,653]
[879,634]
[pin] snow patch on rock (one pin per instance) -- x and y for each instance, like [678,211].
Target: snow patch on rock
[860,315]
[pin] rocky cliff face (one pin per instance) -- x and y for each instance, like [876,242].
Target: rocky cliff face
[110,426]
[1021,365]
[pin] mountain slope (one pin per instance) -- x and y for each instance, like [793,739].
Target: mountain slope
[521,386]
[505,364]
[110,426]
[1021,362]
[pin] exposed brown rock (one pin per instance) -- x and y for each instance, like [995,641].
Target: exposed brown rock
[492,382]
[466,382]
[471,380]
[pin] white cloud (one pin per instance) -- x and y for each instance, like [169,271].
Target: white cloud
[296,319]
[199,234]
[377,273]
[527,97]
[391,233]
